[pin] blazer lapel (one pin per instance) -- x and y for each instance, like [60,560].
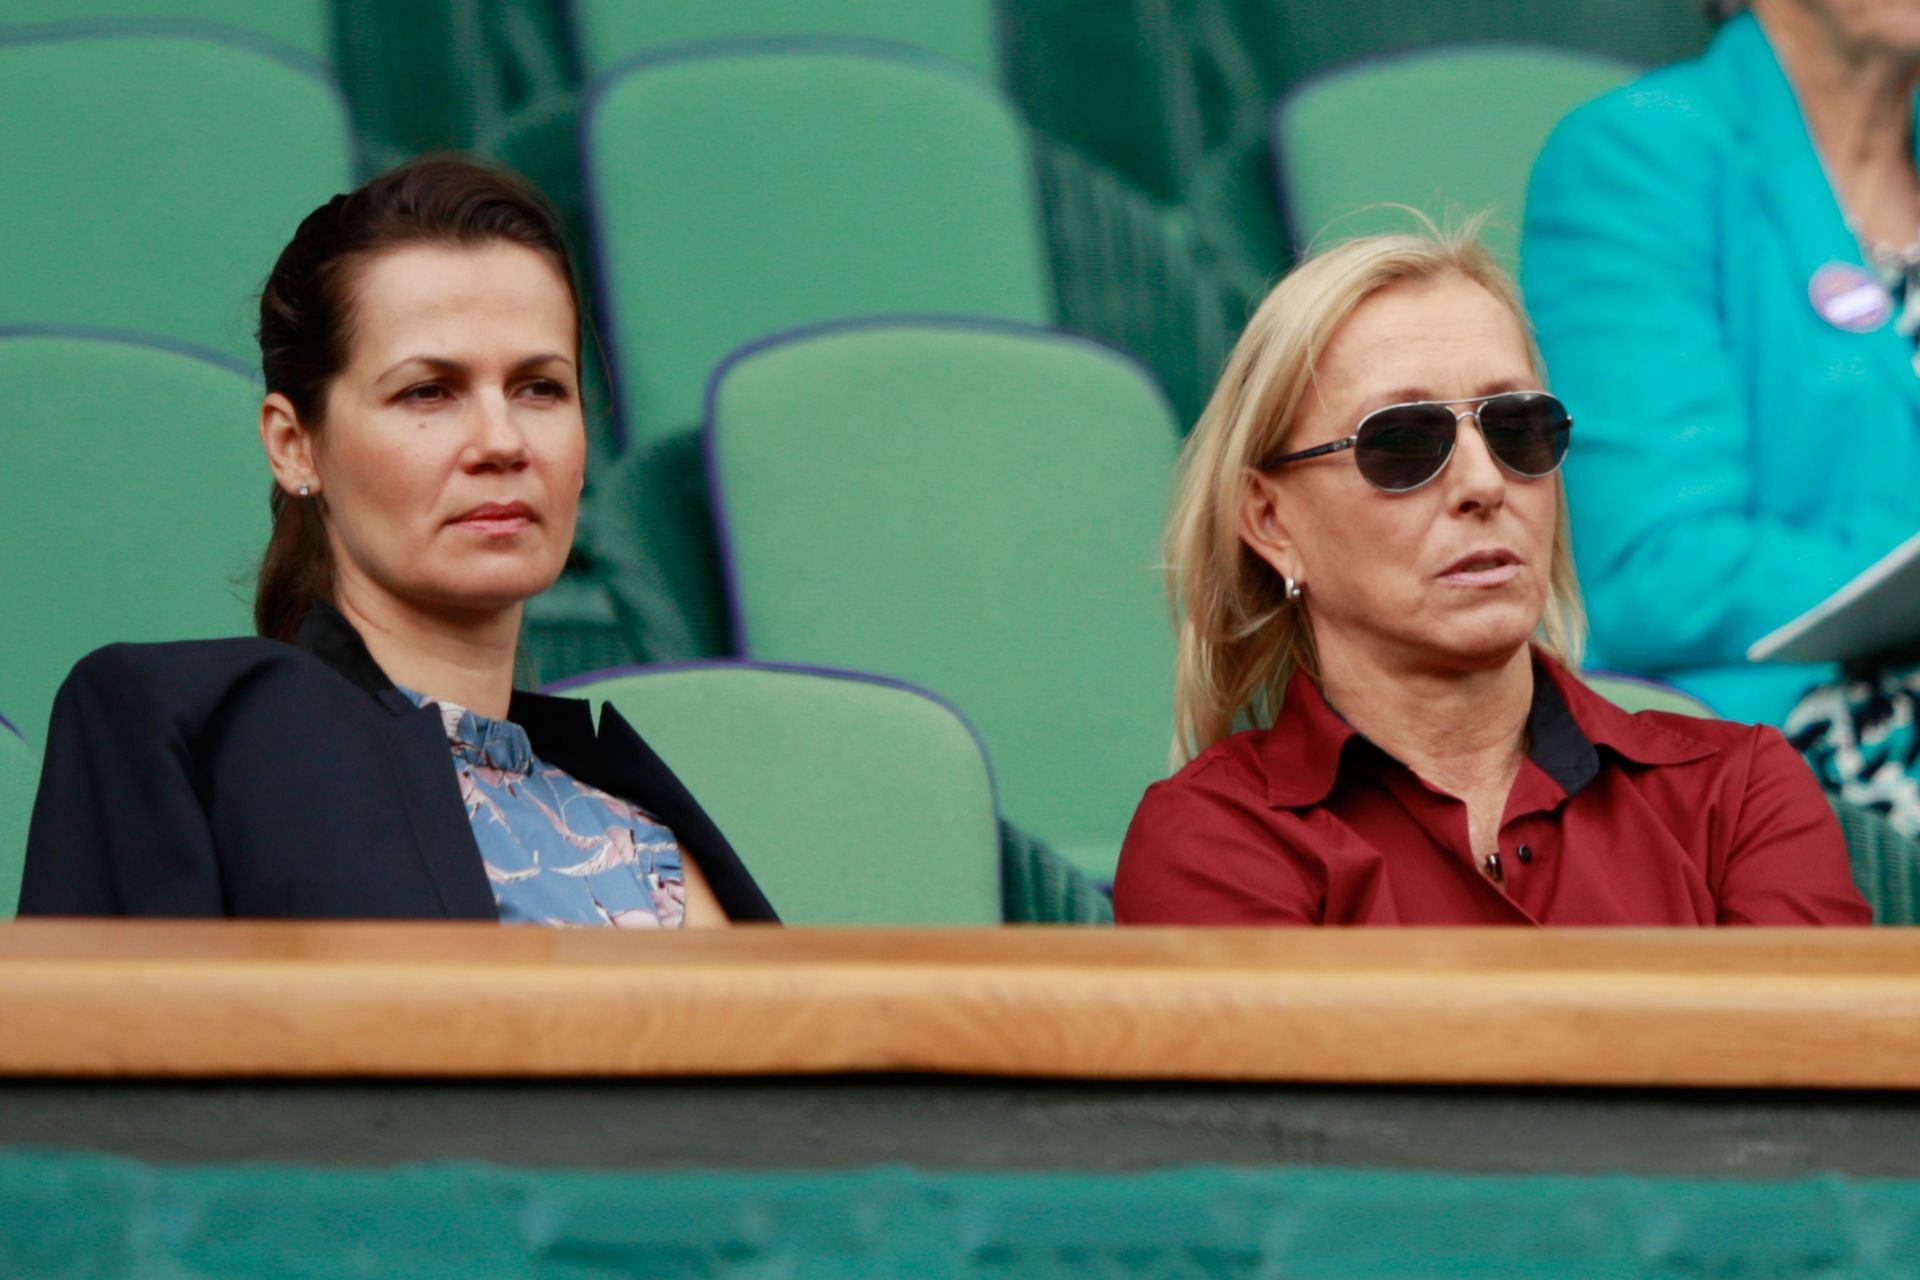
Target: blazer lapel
[416,745]
[416,742]
[618,761]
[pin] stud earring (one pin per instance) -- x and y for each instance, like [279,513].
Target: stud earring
[1293,589]
[306,491]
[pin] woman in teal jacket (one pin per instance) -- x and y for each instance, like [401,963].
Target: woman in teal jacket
[1720,261]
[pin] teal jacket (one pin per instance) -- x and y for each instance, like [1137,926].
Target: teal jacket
[1736,457]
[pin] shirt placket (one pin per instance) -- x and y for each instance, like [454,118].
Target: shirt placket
[1444,819]
[1529,841]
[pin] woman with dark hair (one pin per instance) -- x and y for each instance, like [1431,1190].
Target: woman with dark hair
[367,755]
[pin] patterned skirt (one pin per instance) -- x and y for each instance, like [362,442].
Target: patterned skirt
[1860,739]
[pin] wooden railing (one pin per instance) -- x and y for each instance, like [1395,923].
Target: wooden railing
[1824,1009]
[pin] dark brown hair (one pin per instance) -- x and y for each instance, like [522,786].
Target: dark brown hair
[306,324]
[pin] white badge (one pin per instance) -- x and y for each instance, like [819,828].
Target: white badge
[1850,298]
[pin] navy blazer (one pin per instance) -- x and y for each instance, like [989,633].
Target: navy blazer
[254,778]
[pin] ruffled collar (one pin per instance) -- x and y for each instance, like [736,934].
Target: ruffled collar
[480,740]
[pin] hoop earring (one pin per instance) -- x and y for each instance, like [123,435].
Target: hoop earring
[1293,589]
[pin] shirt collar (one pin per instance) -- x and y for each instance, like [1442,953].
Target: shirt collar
[1567,726]
[480,740]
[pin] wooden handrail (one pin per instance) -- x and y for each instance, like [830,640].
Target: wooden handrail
[1800,1008]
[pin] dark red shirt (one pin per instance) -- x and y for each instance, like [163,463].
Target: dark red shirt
[1615,819]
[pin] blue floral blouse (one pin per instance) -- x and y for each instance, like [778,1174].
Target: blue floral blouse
[558,852]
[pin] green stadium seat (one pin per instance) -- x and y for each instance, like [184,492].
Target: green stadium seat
[1886,864]
[1447,130]
[132,503]
[745,187]
[974,507]
[19,778]
[306,25]
[1637,693]
[610,30]
[854,800]
[153,175]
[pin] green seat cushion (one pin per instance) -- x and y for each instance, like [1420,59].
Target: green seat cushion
[159,177]
[132,503]
[975,508]
[852,800]
[749,187]
[1448,130]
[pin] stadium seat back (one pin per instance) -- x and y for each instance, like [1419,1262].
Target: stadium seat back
[744,188]
[1448,130]
[132,504]
[852,800]
[306,25]
[610,30]
[19,778]
[1637,693]
[976,508]
[153,176]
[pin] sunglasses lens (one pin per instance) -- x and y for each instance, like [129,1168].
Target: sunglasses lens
[1404,447]
[1527,431]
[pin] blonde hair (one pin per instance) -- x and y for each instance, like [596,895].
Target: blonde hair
[1240,639]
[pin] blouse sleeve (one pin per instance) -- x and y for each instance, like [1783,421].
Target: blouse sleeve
[1788,862]
[1195,855]
[118,828]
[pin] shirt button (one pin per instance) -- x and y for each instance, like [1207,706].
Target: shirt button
[1525,855]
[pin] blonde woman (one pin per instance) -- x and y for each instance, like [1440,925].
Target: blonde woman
[1371,564]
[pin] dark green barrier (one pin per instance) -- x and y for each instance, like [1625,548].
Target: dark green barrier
[85,1216]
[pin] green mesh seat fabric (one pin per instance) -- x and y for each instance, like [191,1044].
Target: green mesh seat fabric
[751,186]
[153,176]
[1637,693]
[1886,864]
[569,629]
[1038,886]
[132,503]
[1448,130]
[19,778]
[306,25]
[974,507]
[609,30]
[852,800]
[1132,272]
[647,530]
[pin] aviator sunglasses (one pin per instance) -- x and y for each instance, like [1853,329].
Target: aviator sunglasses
[1403,446]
